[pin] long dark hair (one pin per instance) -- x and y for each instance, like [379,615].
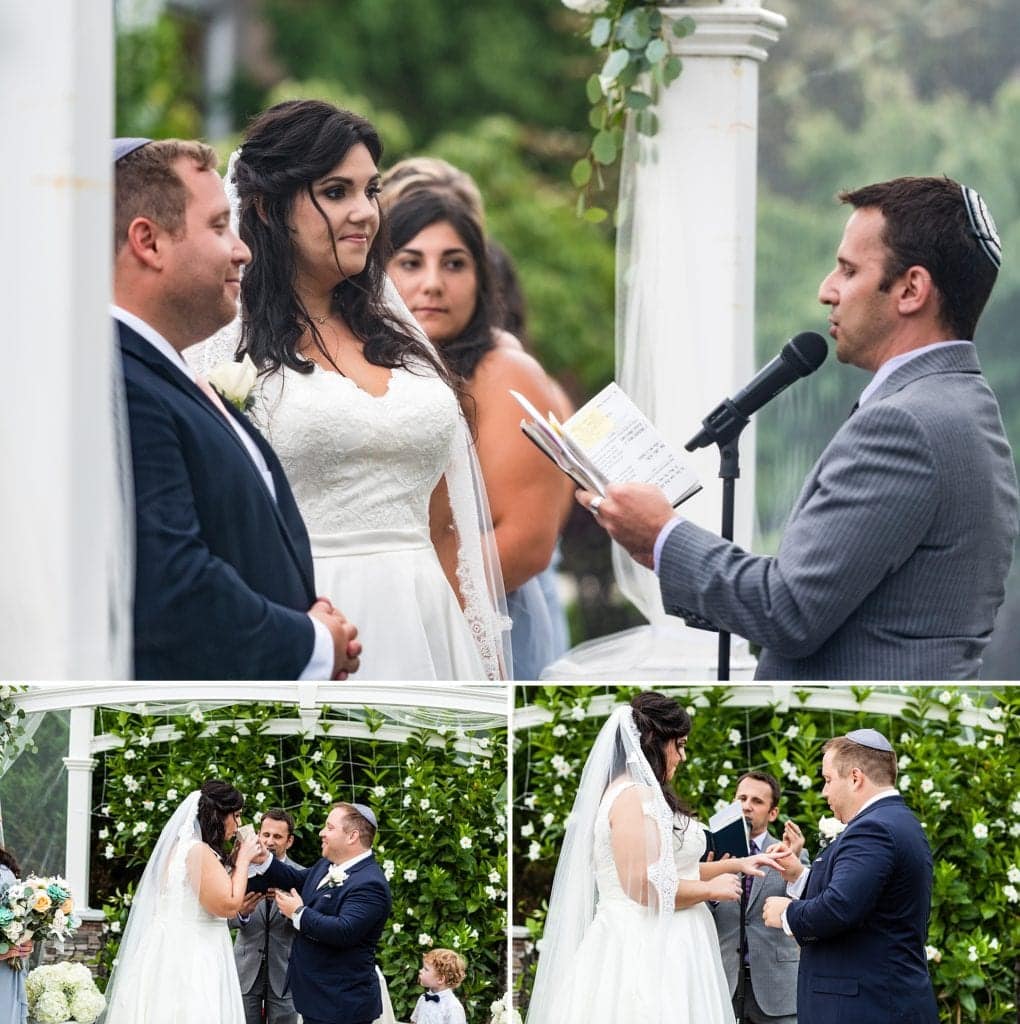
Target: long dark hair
[286,149]
[660,720]
[420,208]
[8,861]
[218,799]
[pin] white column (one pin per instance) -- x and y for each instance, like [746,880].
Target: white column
[80,765]
[685,302]
[56,425]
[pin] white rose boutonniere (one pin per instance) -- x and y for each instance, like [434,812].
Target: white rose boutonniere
[336,876]
[235,381]
[829,829]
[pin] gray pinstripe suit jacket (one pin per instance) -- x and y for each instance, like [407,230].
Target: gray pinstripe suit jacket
[773,955]
[894,559]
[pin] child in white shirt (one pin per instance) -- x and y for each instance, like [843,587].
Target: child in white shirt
[442,970]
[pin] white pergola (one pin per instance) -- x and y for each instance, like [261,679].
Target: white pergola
[476,708]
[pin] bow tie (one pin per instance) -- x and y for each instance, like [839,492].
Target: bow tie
[431,997]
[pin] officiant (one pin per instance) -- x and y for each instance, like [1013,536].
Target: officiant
[767,959]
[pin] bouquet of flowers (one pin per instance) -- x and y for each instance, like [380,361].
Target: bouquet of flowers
[504,1012]
[63,992]
[37,908]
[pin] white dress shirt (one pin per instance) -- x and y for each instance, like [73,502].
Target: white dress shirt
[447,1011]
[320,665]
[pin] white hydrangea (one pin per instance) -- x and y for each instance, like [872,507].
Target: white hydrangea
[51,1007]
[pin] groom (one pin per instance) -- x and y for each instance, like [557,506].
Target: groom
[863,919]
[338,919]
[224,585]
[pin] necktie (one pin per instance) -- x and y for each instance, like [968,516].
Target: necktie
[853,409]
[431,997]
[748,879]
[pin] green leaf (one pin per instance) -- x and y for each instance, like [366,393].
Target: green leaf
[684,27]
[580,173]
[603,147]
[600,32]
[647,123]
[637,100]
[671,69]
[597,116]
[595,215]
[593,87]
[614,64]
[656,50]
[637,33]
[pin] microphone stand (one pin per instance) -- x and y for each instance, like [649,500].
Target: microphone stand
[724,426]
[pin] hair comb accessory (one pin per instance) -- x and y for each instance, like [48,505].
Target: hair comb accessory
[982,225]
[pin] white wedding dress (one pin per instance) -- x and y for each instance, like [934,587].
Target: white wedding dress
[180,969]
[362,469]
[633,965]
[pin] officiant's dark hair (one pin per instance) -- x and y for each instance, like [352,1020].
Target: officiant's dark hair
[218,799]
[419,208]
[660,720]
[286,149]
[770,780]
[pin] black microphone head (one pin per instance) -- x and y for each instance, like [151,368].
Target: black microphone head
[805,352]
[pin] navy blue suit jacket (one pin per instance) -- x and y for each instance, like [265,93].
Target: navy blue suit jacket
[863,922]
[223,576]
[331,974]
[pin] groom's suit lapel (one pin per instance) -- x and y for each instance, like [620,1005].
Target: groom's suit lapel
[133,345]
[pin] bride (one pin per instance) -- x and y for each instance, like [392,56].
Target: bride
[362,413]
[175,964]
[628,935]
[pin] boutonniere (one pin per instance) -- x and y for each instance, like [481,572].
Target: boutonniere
[829,829]
[235,382]
[336,876]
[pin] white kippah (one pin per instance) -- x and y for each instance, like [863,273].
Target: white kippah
[870,738]
[369,816]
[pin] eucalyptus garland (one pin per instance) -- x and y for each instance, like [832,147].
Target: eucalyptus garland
[634,37]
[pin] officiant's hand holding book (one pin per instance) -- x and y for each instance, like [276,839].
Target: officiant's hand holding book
[609,440]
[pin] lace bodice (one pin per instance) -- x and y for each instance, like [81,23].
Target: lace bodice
[688,839]
[179,891]
[354,461]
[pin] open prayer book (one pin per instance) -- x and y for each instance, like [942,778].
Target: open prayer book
[727,832]
[609,440]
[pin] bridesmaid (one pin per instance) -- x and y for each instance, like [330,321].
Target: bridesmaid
[13,1004]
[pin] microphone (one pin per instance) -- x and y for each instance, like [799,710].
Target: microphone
[800,356]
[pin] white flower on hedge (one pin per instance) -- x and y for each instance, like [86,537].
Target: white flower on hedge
[104,833]
[728,765]
[904,762]
[260,797]
[529,801]
[410,875]
[1011,893]
[121,826]
[789,770]
[235,739]
[378,791]
[734,736]
[559,730]
[792,732]
[465,842]
[407,799]
[723,781]
[577,713]
[397,927]
[388,868]
[548,819]
[993,942]
[933,954]
[424,939]
[561,765]
[945,697]
[492,892]
[148,805]
[980,831]
[720,804]
[534,851]
[982,744]
[131,784]
[327,798]
[972,953]
[997,739]
[129,754]
[270,761]
[1013,874]
[804,782]
[171,794]
[558,791]
[424,804]
[496,878]
[904,783]
[115,927]
[995,713]
[139,828]
[108,851]
[408,782]
[527,829]
[316,756]
[927,785]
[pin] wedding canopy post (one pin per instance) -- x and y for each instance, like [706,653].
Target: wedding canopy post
[62,536]
[685,304]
